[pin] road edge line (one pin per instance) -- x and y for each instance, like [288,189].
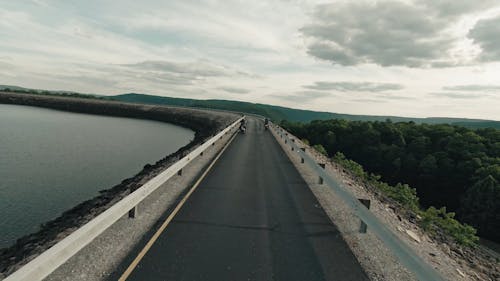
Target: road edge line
[170,217]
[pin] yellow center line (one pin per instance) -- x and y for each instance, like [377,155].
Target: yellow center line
[157,234]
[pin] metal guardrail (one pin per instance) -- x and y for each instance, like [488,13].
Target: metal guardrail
[403,252]
[51,259]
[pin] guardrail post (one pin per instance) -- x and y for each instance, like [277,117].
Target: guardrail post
[292,148]
[133,213]
[301,159]
[320,180]
[363,226]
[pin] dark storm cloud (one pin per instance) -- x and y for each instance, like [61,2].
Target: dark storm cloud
[486,34]
[387,33]
[354,86]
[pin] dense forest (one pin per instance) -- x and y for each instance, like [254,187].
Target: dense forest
[449,166]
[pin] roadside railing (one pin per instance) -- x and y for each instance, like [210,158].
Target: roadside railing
[51,259]
[399,249]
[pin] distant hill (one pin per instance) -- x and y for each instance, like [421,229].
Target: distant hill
[279,113]
[17,89]
[273,112]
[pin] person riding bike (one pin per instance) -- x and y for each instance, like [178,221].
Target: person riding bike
[243,126]
[266,123]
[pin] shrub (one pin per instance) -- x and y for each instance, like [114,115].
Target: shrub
[432,218]
[463,233]
[319,148]
[402,193]
[350,165]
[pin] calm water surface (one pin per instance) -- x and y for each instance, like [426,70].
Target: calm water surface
[52,160]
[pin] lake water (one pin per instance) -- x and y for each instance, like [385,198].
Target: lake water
[51,160]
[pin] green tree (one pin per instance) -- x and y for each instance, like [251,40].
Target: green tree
[481,207]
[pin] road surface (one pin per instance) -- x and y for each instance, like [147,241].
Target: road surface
[252,218]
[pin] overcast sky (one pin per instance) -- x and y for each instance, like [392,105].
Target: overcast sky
[408,58]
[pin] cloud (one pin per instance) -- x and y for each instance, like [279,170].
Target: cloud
[179,73]
[457,95]
[467,91]
[354,86]
[369,100]
[451,8]
[302,96]
[388,33]
[40,3]
[486,34]
[4,64]
[473,88]
[87,79]
[201,68]
[234,90]
[395,97]
[331,52]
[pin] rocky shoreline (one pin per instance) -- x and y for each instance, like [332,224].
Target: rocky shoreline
[204,123]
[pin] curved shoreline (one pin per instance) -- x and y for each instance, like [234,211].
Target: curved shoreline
[203,123]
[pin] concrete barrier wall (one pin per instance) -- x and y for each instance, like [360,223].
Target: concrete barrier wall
[48,261]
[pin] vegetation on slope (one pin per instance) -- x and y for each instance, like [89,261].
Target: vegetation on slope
[431,219]
[448,166]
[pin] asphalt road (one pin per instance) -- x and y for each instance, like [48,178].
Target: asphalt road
[252,218]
